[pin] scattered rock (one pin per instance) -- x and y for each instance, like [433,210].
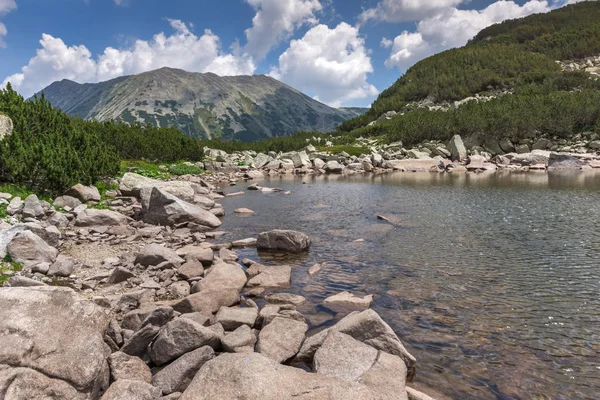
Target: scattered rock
[84,193]
[281,339]
[92,217]
[239,340]
[285,298]
[124,366]
[348,301]
[63,267]
[131,390]
[243,211]
[232,318]
[155,254]
[282,240]
[28,248]
[177,376]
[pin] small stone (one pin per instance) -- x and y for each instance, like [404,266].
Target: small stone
[348,301]
[243,211]
[285,298]
[119,275]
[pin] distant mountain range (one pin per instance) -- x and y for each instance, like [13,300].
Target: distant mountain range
[245,108]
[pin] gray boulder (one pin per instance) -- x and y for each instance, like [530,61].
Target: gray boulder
[154,254]
[232,318]
[28,248]
[178,337]
[222,276]
[564,161]
[253,376]
[124,366]
[131,390]
[177,376]
[52,334]
[457,148]
[134,184]
[242,339]
[32,207]
[28,384]
[208,300]
[343,357]
[281,339]
[91,217]
[333,167]
[301,159]
[63,267]
[84,193]
[282,240]
[15,206]
[67,201]
[166,209]
[366,327]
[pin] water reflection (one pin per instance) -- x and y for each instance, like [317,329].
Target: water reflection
[492,280]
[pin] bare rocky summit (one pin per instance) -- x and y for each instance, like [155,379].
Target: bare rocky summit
[200,105]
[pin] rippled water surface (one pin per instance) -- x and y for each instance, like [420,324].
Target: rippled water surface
[492,281]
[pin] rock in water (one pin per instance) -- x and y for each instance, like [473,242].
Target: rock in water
[281,240]
[51,331]
[166,209]
[457,148]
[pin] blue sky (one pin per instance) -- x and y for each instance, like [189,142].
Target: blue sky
[342,52]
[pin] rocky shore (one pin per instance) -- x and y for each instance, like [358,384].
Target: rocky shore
[473,154]
[128,297]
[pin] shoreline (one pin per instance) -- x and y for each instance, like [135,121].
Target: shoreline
[147,276]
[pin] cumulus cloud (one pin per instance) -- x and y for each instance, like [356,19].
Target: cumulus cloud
[331,64]
[406,10]
[275,20]
[56,60]
[6,6]
[453,28]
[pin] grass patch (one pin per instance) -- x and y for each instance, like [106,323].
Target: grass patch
[185,169]
[8,265]
[144,168]
[23,191]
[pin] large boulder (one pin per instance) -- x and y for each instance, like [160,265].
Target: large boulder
[131,390]
[84,193]
[32,207]
[92,217]
[165,209]
[366,327]
[223,276]
[177,376]
[28,248]
[141,187]
[208,301]
[457,148]
[124,366]
[301,159]
[154,254]
[252,376]
[282,240]
[281,339]
[333,167]
[180,336]
[51,337]
[564,161]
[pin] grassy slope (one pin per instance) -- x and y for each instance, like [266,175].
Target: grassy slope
[518,55]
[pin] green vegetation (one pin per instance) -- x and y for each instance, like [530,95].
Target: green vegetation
[49,151]
[185,169]
[7,268]
[351,150]
[516,56]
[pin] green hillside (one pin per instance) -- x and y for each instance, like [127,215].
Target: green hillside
[516,58]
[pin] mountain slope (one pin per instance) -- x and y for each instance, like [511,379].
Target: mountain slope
[245,108]
[518,56]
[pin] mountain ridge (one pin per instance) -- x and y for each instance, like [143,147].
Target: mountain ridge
[201,105]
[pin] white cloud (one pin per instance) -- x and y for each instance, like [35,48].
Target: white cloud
[6,6]
[275,20]
[406,10]
[386,43]
[331,64]
[453,28]
[55,60]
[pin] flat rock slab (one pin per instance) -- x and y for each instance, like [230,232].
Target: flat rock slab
[272,277]
[285,298]
[232,318]
[253,376]
[177,376]
[54,331]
